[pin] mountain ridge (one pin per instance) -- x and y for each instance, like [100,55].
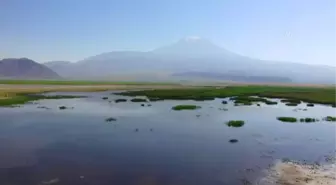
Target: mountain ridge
[194,54]
[25,68]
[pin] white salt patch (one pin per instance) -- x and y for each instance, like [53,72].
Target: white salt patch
[289,173]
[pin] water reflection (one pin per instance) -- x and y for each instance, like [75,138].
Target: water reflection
[152,145]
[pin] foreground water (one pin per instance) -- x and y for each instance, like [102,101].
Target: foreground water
[153,144]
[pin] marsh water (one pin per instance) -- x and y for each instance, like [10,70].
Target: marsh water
[151,145]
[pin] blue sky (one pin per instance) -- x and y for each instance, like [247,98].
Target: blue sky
[287,30]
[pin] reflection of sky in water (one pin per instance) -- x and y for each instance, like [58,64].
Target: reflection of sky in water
[154,144]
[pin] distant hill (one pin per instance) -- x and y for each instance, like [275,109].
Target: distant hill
[25,68]
[56,64]
[194,54]
[63,68]
[235,77]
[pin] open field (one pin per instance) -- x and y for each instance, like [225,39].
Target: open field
[78,82]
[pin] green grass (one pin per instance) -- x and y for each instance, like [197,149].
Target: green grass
[185,107]
[138,100]
[330,118]
[287,119]
[307,94]
[78,82]
[235,123]
[24,98]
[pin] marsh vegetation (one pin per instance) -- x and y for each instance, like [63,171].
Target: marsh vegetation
[235,123]
[120,100]
[287,119]
[290,95]
[138,100]
[185,107]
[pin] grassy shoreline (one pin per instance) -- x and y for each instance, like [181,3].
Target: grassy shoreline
[21,94]
[325,95]
[24,98]
[16,94]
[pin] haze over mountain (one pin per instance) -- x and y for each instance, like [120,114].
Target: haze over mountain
[25,68]
[196,55]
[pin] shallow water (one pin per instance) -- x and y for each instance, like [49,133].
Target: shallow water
[153,145]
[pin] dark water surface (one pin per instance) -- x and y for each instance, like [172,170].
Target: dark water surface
[153,145]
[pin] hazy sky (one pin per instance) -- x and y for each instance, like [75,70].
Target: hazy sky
[289,30]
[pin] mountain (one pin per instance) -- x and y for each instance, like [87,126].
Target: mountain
[194,54]
[63,68]
[25,68]
[238,77]
[56,64]
[193,47]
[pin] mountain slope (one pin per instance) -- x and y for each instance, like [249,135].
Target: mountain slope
[193,47]
[25,68]
[63,68]
[236,77]
[195,54]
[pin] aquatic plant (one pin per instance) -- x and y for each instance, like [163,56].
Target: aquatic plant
[155,99]
[242,102]
[120,100]
[233,140]
[110,119]
[310,105]
[330,118]
[186,107]
[224,102]
[235,123]
[62,107]
[323,95]
[307,120]
[25,98]
[104,98]
[290,101]
[287,119]
[291,104]
[138,100]
[271,102]
[248,99]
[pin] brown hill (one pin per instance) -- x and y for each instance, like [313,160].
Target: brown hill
[25,68]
